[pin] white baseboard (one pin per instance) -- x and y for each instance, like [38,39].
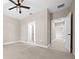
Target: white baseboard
[7,43]
[49,45]
[35,44]
[41,45]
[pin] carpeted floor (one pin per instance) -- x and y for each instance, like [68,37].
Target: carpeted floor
[23,51]
[59,45]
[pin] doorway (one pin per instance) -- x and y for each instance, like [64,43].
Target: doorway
[61,34]
[57,29]
[31,33]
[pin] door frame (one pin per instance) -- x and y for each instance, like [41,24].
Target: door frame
[71,36]
[71,42]
[54,21]
[32,23]
[71,48]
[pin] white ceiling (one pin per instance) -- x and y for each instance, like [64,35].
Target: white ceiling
[36,5]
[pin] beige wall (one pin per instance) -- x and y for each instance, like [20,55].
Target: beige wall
[41,27]
[10,29]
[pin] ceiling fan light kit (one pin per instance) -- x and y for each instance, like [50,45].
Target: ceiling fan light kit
[18,5]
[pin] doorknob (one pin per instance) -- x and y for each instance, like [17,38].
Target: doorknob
[69,34]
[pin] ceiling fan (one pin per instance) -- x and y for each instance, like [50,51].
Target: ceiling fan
[18,5]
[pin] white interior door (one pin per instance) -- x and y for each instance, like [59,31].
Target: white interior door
[31,32]
[68,32]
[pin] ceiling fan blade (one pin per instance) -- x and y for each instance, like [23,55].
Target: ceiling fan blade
[12,2]
[12,8]
[25,7]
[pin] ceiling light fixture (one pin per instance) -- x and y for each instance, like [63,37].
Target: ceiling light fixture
[18,5]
